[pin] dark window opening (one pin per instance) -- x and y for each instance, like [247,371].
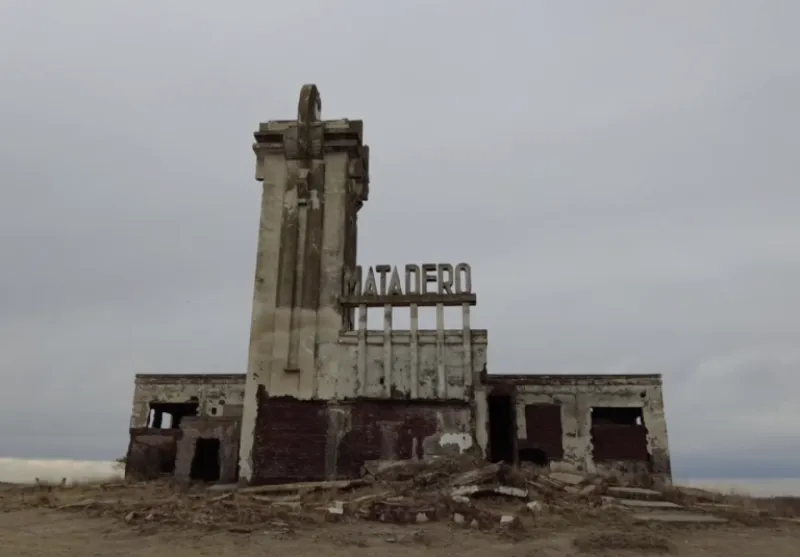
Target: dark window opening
[168,415]
[535,456]
[501,428]
[206,463]
[544,431]
[619,434]
[618,416]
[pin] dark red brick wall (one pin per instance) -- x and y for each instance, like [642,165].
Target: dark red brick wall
[619,442]
[305,440]
[289,440]
[544,430]
[386,429]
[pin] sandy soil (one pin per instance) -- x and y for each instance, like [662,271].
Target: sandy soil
[46,532]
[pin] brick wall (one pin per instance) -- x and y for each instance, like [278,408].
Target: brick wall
[619,442]
[300,440]
[289,440]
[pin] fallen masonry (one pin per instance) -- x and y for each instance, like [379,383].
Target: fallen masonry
[458,490]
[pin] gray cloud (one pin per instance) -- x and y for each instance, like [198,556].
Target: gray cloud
[621,177]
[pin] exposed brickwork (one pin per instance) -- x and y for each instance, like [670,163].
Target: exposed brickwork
[390,430]
[619,442]
[289,440]
[151,452]
[297,440]
[544,429]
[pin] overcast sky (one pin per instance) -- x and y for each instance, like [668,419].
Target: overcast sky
[621,175]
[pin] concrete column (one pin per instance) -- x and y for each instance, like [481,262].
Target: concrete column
[315,179]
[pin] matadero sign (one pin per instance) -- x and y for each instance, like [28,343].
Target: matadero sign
[427,284]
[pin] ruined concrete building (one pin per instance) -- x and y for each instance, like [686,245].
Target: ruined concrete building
[323,393]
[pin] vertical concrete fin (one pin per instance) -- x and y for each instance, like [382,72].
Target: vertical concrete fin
[414,333]
[441,379]
[387,350]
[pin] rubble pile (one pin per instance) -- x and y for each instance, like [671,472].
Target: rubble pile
[460,490]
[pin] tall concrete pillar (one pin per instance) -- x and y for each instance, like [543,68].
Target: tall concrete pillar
[315,179]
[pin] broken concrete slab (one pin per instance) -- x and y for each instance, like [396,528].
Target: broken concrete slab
[482,475]
[565,478]
[634,493]
[637,503]
[305,486]
[678,517]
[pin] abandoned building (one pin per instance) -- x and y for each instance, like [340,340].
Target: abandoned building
[323,393]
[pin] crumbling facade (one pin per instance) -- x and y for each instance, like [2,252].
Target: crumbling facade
[170,410]
[324,393]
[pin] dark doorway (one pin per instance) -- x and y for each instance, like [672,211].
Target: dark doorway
[502,429]
[205,464]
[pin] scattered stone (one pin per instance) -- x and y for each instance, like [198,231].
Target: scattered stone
[460,499]
[422,517]
[334,514]
[130,516]
[474,523]
[535,506]
[459,518]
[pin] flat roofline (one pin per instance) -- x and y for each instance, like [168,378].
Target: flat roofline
[536,379]
[167,377]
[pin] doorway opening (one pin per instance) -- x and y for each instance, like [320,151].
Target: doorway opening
[501,428]
[205,463]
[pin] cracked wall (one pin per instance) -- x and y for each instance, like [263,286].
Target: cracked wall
[575,397]
[217,395]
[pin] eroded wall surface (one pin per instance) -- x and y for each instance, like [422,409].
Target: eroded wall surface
[217,395]
[549,408]
[412,365]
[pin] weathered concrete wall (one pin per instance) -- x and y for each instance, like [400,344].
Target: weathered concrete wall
[226,429]
[315,179]
[151,453]
[635,452]
[424,365]
[217,395]
[299,440]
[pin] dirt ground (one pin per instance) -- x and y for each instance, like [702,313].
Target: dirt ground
[47,532]
[160,518]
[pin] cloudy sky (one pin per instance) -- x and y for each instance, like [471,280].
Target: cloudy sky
[621,175]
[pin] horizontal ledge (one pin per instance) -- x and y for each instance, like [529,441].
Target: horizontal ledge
[405,300]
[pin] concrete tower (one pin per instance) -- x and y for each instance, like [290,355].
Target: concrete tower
[315,180]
